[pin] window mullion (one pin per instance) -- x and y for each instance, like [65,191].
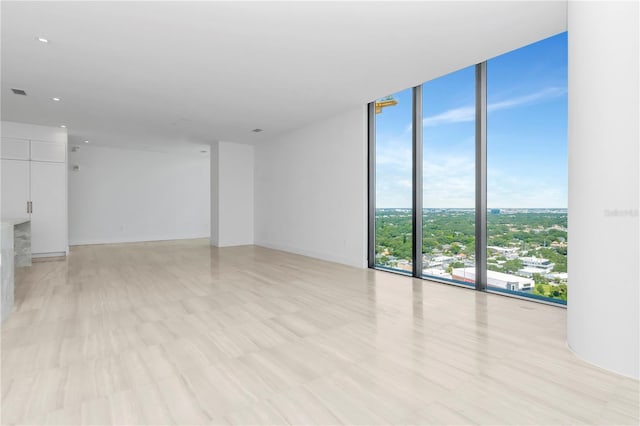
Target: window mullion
[417,181]
[481,177]
[371,173]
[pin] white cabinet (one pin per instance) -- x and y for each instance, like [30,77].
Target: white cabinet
[15,188]
[48,151]
[14,149]
[34,186]
[48,208]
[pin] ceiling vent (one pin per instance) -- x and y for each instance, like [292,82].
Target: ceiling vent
[19,92]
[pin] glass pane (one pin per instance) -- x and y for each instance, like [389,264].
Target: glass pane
[393,239]
[448,216]
[527,170]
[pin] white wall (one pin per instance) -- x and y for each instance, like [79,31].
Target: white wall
[603,321]
[311,190]
[124,195]
[232,194]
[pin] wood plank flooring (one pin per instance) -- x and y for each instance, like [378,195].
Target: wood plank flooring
[182,333]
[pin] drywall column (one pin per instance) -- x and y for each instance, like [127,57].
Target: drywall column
[603,322]
[231,194]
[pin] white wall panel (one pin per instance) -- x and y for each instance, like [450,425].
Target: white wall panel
[311,190]
[125,195]
[603,301]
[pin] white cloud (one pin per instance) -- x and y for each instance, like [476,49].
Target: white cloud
[449,182]
[467,113]
[504,190]
[393,174]
[456,115]
[548,93]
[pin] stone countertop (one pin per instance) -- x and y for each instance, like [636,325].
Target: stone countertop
[15,221]
[15,252]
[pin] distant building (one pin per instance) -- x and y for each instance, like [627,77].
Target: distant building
[495,279]
[528,271]
[508,252]
[440,261]
[536,265]
[404,265]
[435,272]
[562,276]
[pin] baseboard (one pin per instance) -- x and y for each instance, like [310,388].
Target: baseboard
[311,253]
[97,241]
[49,258]
[57,254]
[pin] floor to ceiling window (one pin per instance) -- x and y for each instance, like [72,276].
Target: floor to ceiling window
[484,179]
[527,170]
[448,161]
[393,182]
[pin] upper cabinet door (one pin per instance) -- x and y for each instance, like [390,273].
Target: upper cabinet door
[14,149]
[54,152]
[15,189]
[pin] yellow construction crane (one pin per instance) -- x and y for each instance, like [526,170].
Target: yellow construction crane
[385,102]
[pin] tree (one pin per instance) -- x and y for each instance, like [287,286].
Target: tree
[494,267]
[513,265]
[539,279]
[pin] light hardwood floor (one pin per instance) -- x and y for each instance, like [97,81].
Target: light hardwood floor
[183,333]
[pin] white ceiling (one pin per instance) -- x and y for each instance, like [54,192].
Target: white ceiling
[161,74]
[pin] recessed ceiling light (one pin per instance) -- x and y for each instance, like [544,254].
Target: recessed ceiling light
[86,141]
[63,126]
[43,40]
[56,99]
[256,130]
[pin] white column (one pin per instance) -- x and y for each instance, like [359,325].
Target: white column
[232,167]
[603,322]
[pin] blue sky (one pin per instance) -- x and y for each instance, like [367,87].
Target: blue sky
[526,134]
